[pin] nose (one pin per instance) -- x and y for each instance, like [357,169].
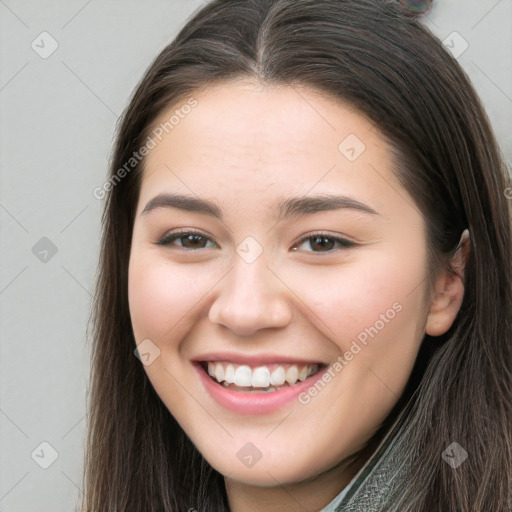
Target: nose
[251,297]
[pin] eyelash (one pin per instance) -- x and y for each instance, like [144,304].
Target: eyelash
[345,244]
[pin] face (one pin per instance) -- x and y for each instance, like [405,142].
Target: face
[301,286]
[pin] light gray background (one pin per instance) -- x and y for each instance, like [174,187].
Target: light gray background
[58,116]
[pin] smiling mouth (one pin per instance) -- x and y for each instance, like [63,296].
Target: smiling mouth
[259,379]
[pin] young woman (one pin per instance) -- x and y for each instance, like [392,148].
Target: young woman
[304,299]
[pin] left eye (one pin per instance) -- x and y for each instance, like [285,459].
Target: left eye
[188,239]
[324,242]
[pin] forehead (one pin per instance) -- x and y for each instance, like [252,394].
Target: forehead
[245,139]
[245,116]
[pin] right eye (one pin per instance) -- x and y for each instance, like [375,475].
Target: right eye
[189,240]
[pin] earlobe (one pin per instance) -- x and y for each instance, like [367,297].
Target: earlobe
[449,291]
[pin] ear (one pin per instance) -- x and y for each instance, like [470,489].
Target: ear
[449,291]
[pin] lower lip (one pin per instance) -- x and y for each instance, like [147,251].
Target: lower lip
[253,402]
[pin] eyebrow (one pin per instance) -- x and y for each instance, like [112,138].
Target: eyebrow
[291,207]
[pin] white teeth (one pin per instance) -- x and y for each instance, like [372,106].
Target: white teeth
[278,377]
[219,372]
[229,376]
[292,374]
[303,374]
[243,376]
[260,377]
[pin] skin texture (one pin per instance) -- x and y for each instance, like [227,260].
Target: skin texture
[246,147]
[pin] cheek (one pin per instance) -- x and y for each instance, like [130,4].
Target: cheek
[161,297]
[348,299]
[373,313]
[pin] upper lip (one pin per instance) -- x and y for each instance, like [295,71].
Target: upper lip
[254,359]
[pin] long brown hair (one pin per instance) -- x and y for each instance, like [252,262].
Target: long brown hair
[369,54]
